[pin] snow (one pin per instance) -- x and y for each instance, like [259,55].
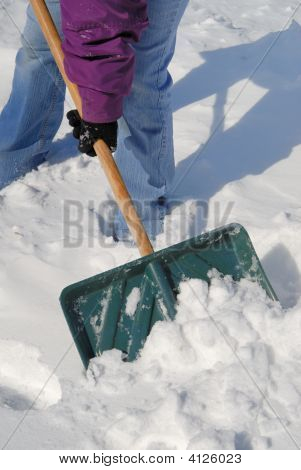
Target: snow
[226,373]
[24,373]
[132,301]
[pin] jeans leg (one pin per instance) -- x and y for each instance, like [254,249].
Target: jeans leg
[34,111]
[145,153]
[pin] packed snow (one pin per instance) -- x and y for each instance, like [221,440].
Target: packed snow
[132,302]
[226,374]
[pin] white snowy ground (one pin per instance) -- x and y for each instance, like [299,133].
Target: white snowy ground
[227,372]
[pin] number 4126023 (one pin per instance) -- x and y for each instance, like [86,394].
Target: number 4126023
[215,458]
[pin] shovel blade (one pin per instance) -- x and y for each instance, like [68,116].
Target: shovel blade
[118,308]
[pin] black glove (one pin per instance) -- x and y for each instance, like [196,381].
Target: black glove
[88,133]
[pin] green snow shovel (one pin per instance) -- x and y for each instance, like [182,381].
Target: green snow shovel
[97,309]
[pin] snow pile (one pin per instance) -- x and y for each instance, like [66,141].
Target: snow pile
[24,380]
[225,374]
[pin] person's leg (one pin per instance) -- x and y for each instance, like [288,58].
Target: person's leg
[145,153]
[33,114]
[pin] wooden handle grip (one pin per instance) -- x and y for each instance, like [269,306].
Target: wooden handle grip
[104,154]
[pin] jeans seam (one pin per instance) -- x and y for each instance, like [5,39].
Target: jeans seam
[53,101]
[163,140]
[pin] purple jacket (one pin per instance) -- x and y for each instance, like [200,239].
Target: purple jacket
[98,54]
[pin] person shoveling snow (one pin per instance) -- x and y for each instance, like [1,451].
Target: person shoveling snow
[120,63]
[94,309]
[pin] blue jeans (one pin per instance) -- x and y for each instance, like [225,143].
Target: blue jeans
[145,154]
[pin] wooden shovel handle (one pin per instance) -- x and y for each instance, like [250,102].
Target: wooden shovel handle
[105,156]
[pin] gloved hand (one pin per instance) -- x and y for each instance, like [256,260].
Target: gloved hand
[88,133]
